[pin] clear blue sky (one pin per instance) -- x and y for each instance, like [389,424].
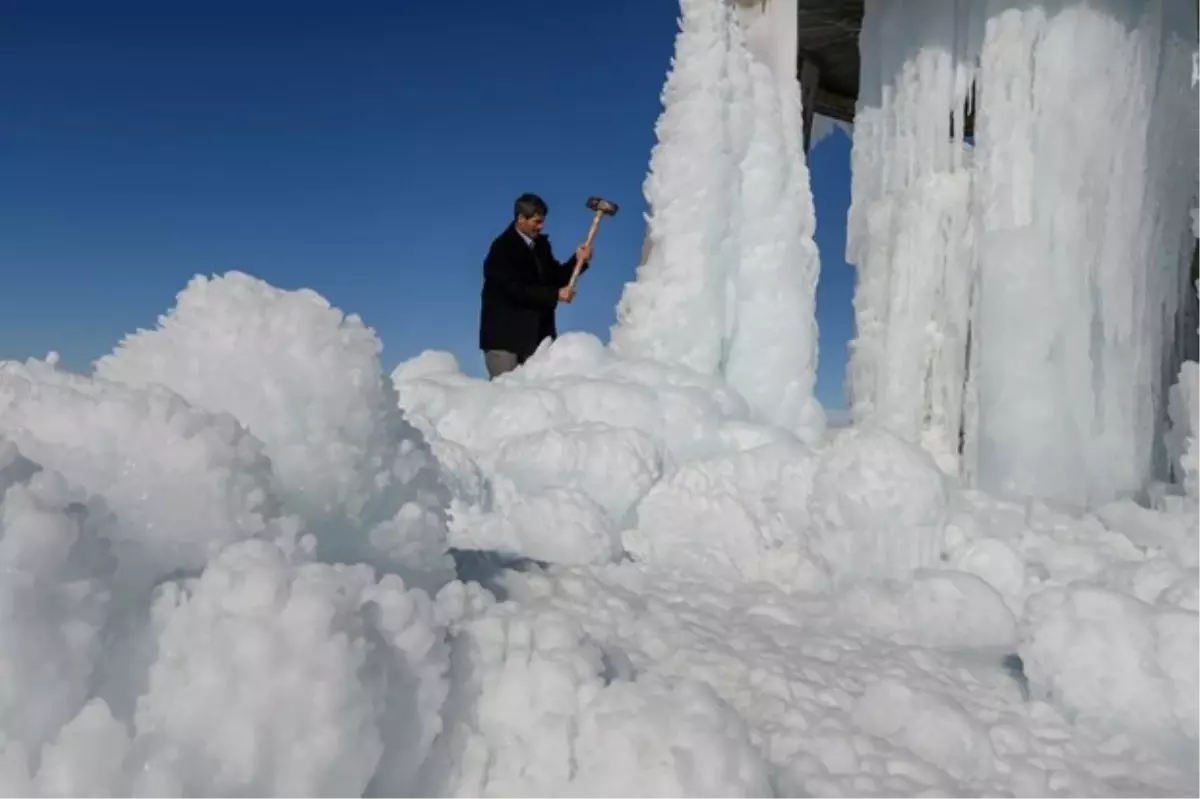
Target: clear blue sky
[368,150]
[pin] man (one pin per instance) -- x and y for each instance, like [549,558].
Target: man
[523,284]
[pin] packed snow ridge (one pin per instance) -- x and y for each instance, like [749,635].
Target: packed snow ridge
[240,559]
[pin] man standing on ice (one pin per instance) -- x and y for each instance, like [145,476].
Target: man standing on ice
[522,286]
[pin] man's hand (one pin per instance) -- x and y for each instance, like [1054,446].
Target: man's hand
[566,294]
[583,254]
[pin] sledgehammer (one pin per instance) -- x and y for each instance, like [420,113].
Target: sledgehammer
[603,208]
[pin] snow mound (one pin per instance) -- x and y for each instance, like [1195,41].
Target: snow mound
[174,504]
[535,710]
[612,466]
[573,380]
[55,600]
[1184,593]
[657,738]
[272,676]
[561,453]
[677,466]
[1107,658]
[932,726]
[995,562]
[277,677]
[721,608]
[937,608]
[829,687]
[557,525]
[426,364]
[307,382]
[742,515]
[878,506]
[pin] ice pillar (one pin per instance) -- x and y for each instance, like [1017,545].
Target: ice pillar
[1058,247]
[771,352]
[675,310]
[728,280]
[910,232]
[1086,135]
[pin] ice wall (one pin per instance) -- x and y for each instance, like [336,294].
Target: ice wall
[1050,259]
[728,280]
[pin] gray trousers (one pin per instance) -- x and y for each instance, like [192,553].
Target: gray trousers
[499,361]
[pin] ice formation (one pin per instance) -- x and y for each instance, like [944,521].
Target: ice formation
[675,598]
[1018,292]
[227,553]
[729,280]
[169,506]
[306,381]
[677,310]
[825,595]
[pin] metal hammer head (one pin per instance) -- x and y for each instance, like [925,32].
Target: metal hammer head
[602,205]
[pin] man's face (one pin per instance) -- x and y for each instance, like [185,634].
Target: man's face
[531,226]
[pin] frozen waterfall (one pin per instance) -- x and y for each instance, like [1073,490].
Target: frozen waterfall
[1017,296]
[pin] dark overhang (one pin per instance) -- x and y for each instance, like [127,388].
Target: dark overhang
[827,36]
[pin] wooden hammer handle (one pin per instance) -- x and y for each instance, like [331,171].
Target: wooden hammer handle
[592,230]
[586,243]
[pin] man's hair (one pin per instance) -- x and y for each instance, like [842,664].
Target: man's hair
[529,205]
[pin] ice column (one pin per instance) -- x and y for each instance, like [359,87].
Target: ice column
[675,309]
[1024,294]
[909,231]
[1086,166]
[771,353]
[728,280]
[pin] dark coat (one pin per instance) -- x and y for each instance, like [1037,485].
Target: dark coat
[520,293]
